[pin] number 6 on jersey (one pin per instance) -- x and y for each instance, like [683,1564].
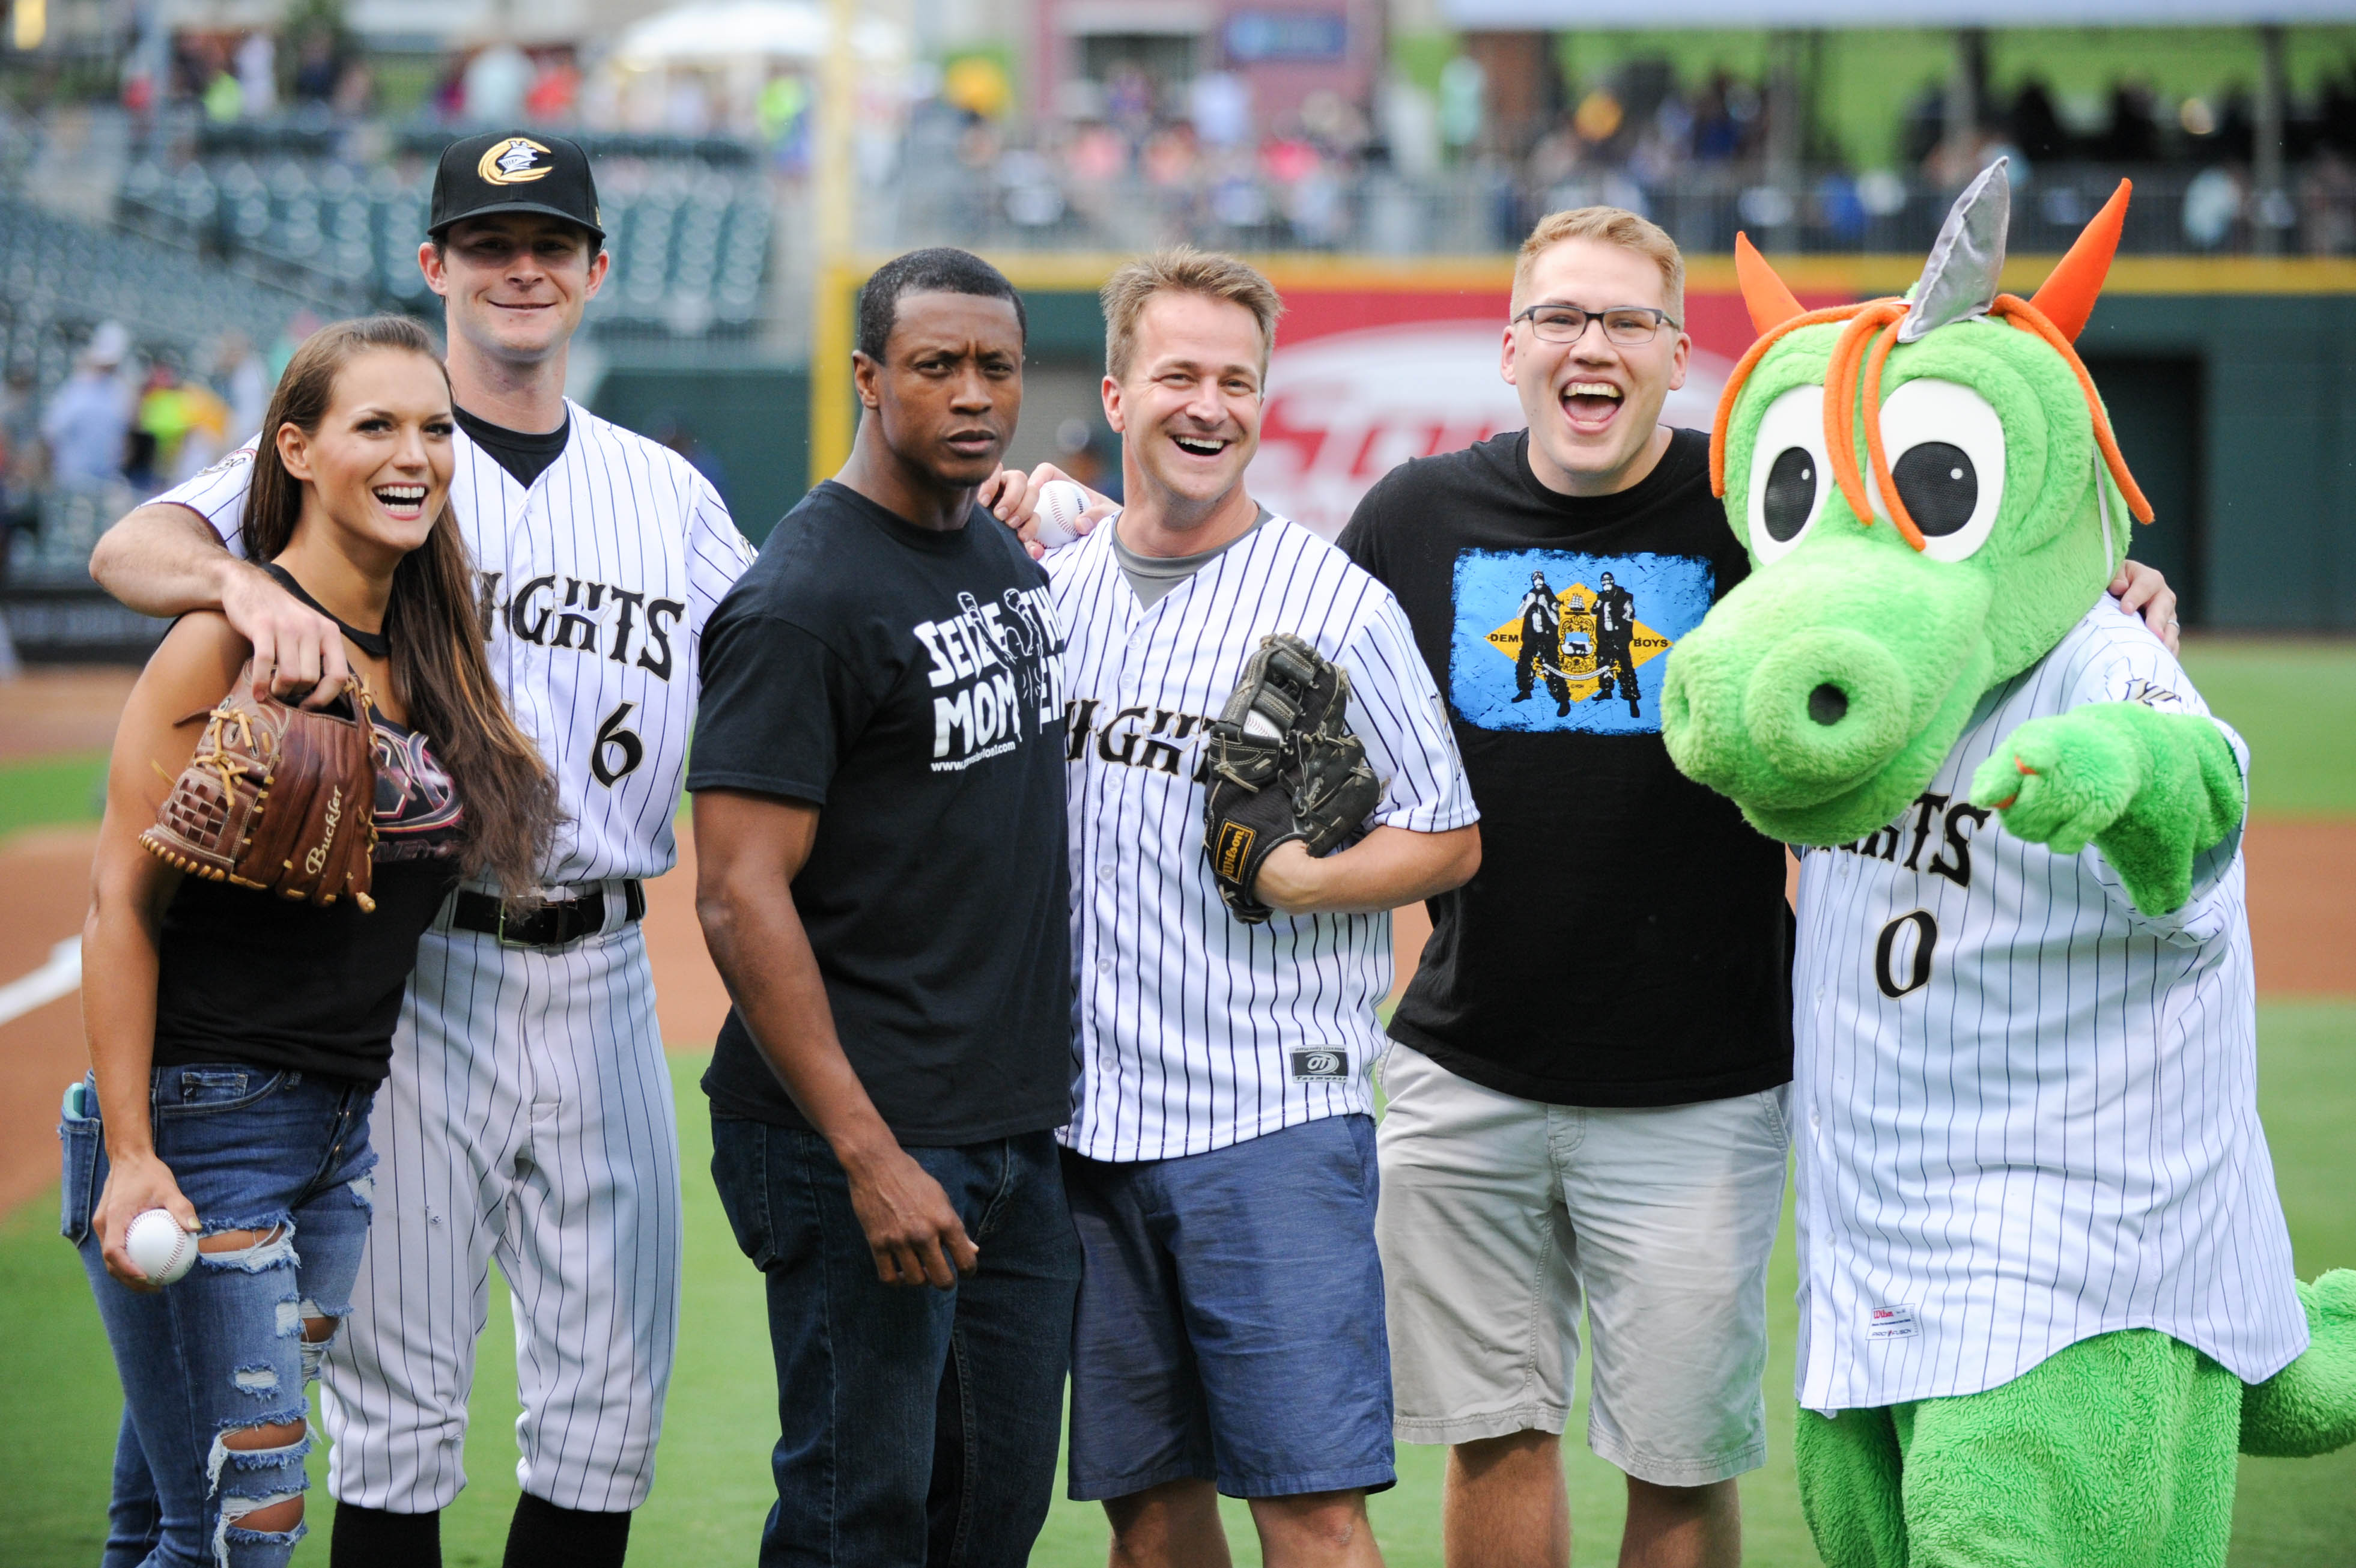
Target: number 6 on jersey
[611,733]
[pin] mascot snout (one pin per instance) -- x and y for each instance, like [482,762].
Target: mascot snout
[1806,685]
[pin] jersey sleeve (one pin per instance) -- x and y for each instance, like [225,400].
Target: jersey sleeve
[218,495]
[1396,709]
[2134,666]
[717,554]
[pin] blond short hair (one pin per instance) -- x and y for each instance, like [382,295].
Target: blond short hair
[1182,269]
[1610,226]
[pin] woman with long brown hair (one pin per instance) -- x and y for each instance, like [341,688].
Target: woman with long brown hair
[237,1039]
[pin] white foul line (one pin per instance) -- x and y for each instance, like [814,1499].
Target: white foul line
[61,976]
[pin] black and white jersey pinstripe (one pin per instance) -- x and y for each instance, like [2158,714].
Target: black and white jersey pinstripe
[2028,1112]
[1193,1030]
[596,583]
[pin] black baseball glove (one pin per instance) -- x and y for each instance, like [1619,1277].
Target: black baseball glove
[1284,766]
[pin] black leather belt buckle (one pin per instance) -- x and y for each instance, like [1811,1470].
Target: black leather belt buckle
[537,925]
[548,925]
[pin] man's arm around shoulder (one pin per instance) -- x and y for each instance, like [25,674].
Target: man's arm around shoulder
[748,850]
[163,560]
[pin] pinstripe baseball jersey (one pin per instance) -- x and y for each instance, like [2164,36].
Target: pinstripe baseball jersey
[596,583]
[1193,1030]
[2030,1110]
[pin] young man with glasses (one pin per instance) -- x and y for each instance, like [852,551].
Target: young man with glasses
[1574,1122]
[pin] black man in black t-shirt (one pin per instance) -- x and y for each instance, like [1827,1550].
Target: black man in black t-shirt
[880,831]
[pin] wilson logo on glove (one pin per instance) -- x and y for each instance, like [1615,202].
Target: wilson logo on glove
[1234,852]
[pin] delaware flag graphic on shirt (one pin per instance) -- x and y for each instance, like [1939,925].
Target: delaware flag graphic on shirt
[1553,640]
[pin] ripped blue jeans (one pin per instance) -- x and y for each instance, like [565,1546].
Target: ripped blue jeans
[257,1149]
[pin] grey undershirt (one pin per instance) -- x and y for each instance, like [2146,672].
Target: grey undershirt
[1151,576]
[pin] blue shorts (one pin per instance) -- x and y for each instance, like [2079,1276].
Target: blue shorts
[1230,1320]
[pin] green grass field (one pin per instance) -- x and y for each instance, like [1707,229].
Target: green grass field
[713,1489]
[2295,702]
[50,789]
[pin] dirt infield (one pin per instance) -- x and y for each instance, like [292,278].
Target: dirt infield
[2301,918]
[47,712]
[44,876]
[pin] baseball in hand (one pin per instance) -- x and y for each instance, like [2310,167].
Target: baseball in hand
[157,1247]
[1060,503]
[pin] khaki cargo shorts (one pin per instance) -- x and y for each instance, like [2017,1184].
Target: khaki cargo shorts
[1500,1218]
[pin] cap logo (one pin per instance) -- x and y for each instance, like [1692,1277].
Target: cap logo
[519,160]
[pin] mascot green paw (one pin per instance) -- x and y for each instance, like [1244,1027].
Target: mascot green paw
[2062,782]
[2151,790]
[2309,1407]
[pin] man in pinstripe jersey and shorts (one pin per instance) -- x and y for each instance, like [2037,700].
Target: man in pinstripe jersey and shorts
[529,1114]
[1220,1159]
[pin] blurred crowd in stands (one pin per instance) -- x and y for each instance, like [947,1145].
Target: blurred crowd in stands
[124,417]
[1697,158]
[1137,155]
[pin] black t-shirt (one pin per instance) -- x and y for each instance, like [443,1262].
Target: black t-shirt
[244,975]
[1626,942]
[525,454]
[906,682]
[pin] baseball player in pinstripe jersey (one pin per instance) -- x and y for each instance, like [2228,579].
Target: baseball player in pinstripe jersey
[528,1116]
[1220,1160]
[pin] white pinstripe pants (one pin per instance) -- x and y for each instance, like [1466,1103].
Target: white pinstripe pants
[528,1118]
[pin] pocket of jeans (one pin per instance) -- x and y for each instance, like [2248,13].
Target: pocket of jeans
[202,1090]
[1778,1121]
[740,1172]
[80,1137]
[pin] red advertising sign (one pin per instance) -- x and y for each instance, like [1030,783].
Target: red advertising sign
[1365,378]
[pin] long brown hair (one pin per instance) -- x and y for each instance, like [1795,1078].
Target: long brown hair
[430,619]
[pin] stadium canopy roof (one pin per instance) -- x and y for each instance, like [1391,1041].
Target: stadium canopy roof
[719,32]
[1611,16]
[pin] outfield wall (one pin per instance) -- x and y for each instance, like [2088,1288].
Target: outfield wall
[2232,384]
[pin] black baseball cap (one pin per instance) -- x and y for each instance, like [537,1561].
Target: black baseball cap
[509,171]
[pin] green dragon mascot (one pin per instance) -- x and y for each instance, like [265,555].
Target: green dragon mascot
[2046,1285]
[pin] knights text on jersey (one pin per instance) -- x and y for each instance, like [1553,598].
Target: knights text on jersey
[2030,1111]
[595,586]
[1193,1030]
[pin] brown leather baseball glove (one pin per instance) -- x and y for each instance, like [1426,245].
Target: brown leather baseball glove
[276,798]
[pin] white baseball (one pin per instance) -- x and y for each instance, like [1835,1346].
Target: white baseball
[1061,501]
[157,1247]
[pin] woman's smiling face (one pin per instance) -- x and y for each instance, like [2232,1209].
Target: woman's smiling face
[380,461]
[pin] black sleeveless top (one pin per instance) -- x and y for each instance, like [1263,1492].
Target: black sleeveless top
[246,976]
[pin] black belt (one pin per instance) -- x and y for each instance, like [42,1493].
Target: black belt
[533,924]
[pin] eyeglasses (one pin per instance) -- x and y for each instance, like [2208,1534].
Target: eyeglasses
[1629,326]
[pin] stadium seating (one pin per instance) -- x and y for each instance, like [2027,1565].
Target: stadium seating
[690,238]
[56,555]
[59,277]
